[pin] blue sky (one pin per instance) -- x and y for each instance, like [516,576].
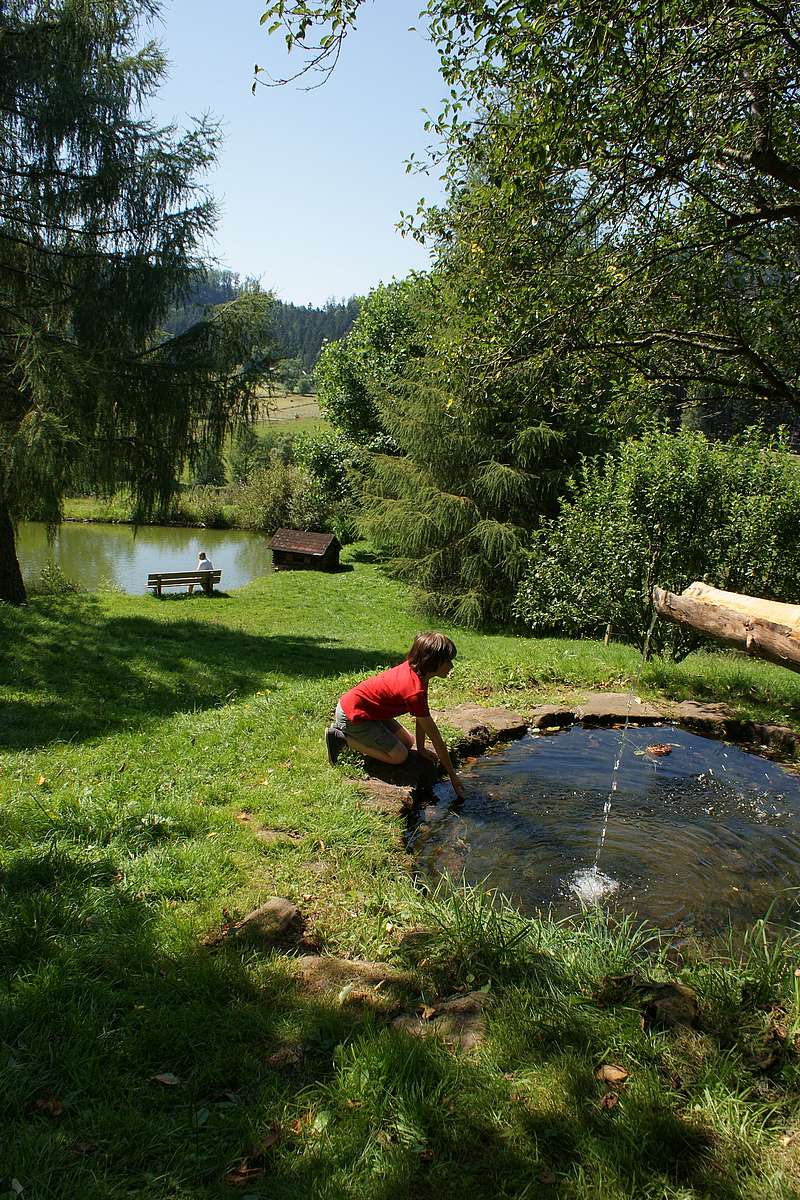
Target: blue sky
[310,184]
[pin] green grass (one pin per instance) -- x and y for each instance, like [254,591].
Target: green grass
[136,735]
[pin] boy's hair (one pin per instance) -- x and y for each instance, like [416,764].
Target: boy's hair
[429,651]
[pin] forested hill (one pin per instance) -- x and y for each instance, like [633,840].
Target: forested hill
[299,330]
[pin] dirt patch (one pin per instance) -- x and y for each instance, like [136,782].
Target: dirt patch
[358,983]
[459,1020]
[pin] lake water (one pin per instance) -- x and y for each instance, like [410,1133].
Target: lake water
[93,554]
[701,836]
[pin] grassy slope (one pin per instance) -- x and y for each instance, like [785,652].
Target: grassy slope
[136,736]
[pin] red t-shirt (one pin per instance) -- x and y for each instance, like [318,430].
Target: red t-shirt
[390,694]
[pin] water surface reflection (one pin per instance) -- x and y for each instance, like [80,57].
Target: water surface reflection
[706,834]
[95,554]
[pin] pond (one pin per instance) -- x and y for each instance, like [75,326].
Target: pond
[699,837]
[96,554]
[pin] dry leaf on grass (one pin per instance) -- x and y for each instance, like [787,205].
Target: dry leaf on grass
[243,1174]
[611,1074]
[284,1056]
[427,1012]
[273,1135]
[166,1078]
[82,1148]
[49,1105]
[609,1101]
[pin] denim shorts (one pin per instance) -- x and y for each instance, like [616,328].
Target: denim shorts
[372,735]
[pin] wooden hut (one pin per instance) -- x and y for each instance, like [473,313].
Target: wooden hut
[293,549]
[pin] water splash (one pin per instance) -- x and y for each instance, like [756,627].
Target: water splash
[590,885]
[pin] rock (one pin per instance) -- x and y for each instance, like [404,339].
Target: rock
[458,1021]
[611,708]
[416,941]
[670,1005]
[275,925]
[278,922]
[378,795]
[704,718]
[473,720]
[552,716]
[355,981]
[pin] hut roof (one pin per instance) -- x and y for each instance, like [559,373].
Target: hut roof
[296,541]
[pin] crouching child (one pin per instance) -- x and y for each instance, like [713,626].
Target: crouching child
[366,716]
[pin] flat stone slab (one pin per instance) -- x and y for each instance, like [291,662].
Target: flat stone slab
[459,1020]
[610,708]
[275,925]
[489,725]
[552,716]
[355,981]
[378,795]
[416,772]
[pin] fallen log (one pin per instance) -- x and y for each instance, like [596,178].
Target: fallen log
[761,628]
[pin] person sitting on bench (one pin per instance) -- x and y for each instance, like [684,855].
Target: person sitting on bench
[203,564]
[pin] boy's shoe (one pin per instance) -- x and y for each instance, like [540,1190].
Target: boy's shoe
[334,743]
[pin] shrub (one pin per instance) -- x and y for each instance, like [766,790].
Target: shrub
[52,581]
[665,510]
[280,495]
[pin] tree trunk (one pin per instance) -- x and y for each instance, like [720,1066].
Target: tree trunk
[12,589]
[733,619]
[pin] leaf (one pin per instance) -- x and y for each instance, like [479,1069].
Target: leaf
[611,1074]
[609,1101]
[17,1187]
[166,1078]
[345,992]
[273,1135]
[285,1056]
[243,1174]
[49,1105]
[427,1012]
[321,1121]
[41,781]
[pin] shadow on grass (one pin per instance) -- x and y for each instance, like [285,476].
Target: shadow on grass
[137,1062]
[75,672]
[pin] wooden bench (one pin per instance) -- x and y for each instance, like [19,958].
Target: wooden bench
[205,579]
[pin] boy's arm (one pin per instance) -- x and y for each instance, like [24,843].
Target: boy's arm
[427,725]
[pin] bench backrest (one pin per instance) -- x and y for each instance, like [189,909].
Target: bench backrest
[176,576]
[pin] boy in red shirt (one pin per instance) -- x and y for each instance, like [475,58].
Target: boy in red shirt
[366,715]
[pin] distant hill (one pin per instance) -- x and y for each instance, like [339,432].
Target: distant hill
[299,330]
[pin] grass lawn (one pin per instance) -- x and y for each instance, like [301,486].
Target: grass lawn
[142,744]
